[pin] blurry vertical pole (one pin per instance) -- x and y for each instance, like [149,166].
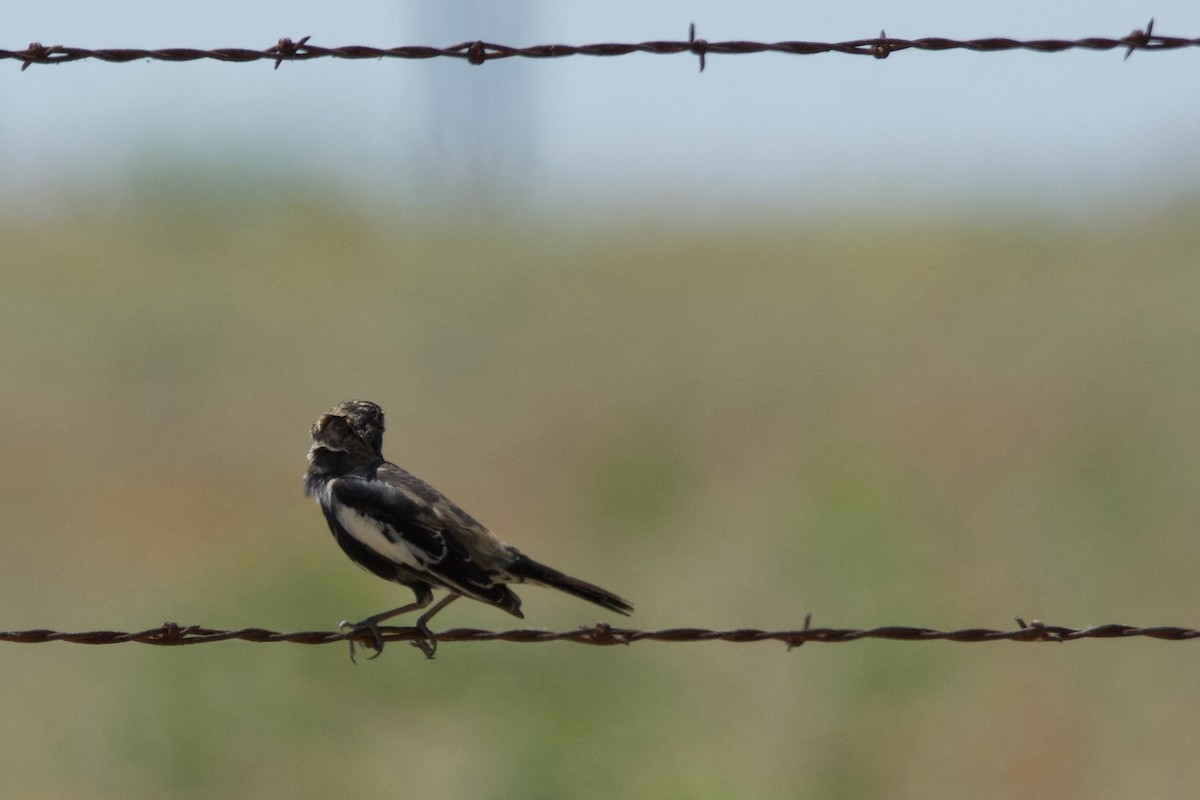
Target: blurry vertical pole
[477,146]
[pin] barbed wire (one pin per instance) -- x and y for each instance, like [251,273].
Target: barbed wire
[480,52]
[171,634]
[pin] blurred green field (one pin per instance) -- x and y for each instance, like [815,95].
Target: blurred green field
[930,421]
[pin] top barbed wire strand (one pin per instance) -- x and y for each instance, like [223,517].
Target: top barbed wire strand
[170,633]
[479,52]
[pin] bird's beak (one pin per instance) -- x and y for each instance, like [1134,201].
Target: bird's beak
[318,429]
[320,425]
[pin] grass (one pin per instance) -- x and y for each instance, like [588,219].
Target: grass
[942,422]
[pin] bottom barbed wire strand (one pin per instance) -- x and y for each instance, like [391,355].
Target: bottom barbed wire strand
[172,634]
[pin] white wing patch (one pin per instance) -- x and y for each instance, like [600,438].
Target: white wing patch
[370,532]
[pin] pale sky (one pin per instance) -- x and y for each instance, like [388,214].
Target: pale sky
[1059,129]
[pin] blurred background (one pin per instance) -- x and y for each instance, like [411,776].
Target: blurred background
[900,342]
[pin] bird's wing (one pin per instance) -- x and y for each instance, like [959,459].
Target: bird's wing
[410,523]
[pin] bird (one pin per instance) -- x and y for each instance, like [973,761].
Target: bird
[398,527]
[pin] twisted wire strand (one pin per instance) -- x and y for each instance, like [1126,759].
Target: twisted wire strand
[480,52]
[171,634]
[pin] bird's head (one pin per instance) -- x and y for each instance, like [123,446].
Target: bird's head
[354,428]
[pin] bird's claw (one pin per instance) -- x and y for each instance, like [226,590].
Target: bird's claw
[426,642]
[426,646]
[371,627]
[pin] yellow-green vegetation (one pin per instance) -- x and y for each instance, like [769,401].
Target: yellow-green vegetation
[942,422]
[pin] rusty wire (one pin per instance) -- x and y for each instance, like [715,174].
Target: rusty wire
[170,633]
[479,52]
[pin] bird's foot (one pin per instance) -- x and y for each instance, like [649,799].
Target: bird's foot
[370,626]
[426,642]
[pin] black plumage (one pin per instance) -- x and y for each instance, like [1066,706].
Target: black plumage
[397,526]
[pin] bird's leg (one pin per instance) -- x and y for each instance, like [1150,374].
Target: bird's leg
[371,624]
[428,645]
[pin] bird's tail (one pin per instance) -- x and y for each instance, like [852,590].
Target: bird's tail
[526,569]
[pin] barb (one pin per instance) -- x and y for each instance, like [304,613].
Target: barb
[479,52]
[170,634]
